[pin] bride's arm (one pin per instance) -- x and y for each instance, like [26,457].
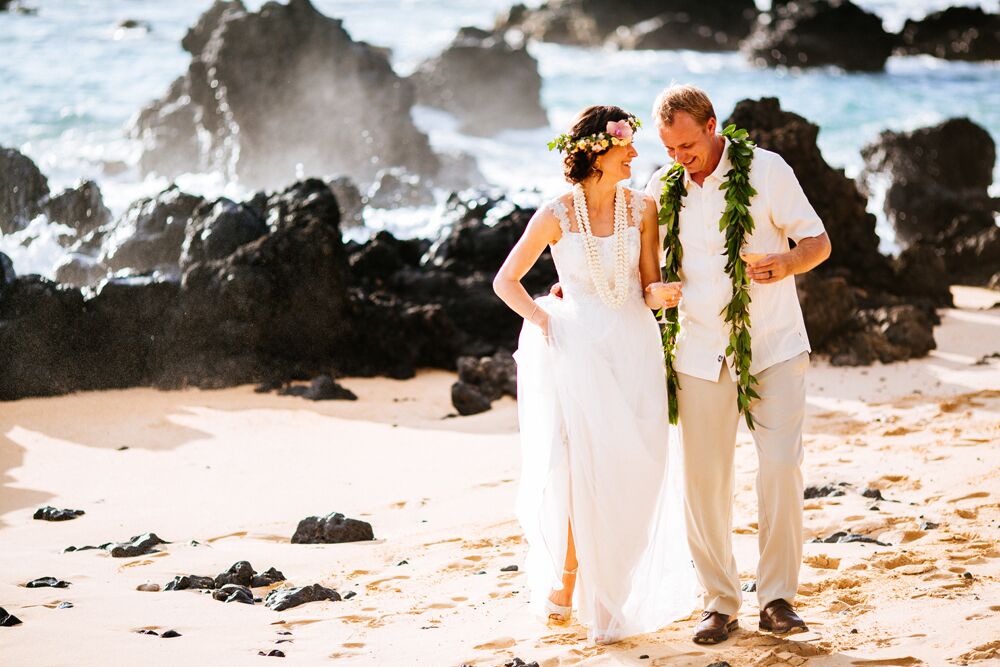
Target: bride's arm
[657,294]
[542,229]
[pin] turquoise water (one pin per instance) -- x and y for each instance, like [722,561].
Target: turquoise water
[70,80]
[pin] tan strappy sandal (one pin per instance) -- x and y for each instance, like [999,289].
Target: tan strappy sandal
[557,613]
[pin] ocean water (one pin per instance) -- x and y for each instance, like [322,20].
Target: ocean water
[70,80]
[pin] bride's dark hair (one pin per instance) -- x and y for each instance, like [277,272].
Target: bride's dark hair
[579,165]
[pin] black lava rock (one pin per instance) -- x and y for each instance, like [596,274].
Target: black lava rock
[517,662]
[691,24]
[468,399]
[48,513]
[234,593]
[509,98]
[7,274]
[322,388]
[872,493]
[188,581]
[81,208]
[815,33]
[240,108]
[266,578]
[938,195]
[282,599]
[22,187]
[826,491]
[47,582]
[749,587]
[842,537]
[87,547]
[170,634]
[239,573]
[7,619]
[140,545]
[218,229]
[929,525]
[332,529]
[509,568]
[274,653]
[955,33]
[483,380]
[149,236]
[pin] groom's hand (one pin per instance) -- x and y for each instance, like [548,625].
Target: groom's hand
[770,269]
[556,291]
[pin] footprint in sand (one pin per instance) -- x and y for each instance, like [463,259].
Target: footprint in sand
[434,544]
[459,599]
[502,642]
[353,645]
[440,605]
[822,561]
[487,485]
[370,621]
[899,561]
[241,533]
[989,612]
[969,496]
[978,654]
[374,585]
[301,621]
[890,662]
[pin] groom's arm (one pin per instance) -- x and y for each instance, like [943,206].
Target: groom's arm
[791,212]
[807,254]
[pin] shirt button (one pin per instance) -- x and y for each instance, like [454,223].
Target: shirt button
[720,357]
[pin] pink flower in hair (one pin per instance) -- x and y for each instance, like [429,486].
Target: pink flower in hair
[620,130]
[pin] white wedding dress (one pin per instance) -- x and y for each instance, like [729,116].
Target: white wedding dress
[592,407]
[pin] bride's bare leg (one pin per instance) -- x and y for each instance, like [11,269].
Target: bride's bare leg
[564,596]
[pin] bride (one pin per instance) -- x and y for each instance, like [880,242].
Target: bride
[600,507]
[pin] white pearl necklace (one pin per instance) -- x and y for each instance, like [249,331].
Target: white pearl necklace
[616,298]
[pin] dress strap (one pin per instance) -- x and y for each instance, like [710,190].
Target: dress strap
[560,210]
[638,206]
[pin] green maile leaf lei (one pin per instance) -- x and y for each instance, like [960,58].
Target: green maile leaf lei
[737,224]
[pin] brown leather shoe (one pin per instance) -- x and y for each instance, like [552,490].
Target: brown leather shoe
[714,628]
[779,617]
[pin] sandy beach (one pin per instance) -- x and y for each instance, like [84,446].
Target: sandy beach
[226,475]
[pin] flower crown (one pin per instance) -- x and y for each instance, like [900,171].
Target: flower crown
[618,133]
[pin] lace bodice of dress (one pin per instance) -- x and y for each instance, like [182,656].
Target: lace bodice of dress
[570,255]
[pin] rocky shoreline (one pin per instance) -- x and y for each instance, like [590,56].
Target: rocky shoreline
[265,290]
[804,33]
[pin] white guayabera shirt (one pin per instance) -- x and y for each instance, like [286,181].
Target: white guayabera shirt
[780,212]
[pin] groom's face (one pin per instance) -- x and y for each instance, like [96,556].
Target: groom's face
[688,142]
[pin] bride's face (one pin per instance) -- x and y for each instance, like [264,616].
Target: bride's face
[616,163]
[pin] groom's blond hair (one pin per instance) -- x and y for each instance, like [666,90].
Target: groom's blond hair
[686,98]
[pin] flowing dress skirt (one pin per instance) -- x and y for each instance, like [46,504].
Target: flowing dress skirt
[597,451]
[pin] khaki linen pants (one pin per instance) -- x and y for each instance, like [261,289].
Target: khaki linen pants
[708,422]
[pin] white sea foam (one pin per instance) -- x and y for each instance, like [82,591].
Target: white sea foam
[36,248]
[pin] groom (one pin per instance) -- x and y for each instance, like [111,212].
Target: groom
[707,396]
